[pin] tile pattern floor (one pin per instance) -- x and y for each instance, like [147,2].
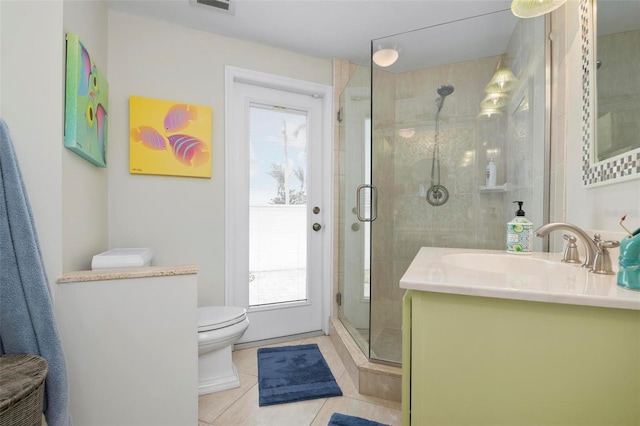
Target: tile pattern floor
[239,406]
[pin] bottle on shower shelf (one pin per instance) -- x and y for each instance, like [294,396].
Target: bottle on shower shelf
[491,174]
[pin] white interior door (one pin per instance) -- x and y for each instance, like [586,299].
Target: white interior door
[278,211]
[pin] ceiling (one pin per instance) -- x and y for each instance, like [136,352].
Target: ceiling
[325,29]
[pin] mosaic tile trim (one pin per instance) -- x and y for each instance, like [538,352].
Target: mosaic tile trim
[626,165]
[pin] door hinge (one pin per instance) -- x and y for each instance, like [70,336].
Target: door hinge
[339,299]
[339,115]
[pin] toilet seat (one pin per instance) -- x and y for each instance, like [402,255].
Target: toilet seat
[216,317]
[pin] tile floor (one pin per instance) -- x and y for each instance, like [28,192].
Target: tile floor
[239,406]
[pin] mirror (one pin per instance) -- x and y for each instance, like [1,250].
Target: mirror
[611,90]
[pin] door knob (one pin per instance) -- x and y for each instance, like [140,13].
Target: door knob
[317,227]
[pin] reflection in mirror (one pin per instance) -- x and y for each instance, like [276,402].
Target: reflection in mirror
[617,78]
[611,66]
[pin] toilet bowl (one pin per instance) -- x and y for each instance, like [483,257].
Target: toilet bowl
[219,327]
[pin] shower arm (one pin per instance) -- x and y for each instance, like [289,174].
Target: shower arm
[436,154]
[443,92]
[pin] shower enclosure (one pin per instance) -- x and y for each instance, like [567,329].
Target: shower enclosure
[415,140]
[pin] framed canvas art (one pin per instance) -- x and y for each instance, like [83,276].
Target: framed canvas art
[86,104]
[169,138]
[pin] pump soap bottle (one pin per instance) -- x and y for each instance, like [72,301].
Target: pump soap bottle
[519,233]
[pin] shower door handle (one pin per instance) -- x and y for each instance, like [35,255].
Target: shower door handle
[374,203]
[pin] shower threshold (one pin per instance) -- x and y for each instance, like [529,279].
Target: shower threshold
[370,378]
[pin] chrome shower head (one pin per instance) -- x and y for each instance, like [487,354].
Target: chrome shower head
[443,91]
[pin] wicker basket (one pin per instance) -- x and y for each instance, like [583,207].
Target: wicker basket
[22,389]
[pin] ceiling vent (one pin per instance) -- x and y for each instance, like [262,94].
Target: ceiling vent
[219,5]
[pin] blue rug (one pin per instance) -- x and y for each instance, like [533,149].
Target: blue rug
[338,419]
[294,373]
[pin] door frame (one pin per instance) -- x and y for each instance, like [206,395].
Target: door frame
[325,94]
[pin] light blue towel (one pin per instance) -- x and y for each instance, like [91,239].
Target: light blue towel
[27,323]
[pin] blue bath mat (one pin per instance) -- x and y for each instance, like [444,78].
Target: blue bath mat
[294,373]
[338,419]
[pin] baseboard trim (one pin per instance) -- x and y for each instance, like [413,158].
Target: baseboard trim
[275,340]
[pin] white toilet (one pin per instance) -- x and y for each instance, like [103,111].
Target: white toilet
[219,327]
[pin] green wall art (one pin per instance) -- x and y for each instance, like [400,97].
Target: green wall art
[86,105]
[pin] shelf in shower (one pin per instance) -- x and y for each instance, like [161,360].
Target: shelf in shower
[497,188]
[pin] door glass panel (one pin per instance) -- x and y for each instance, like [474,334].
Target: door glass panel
[277,205]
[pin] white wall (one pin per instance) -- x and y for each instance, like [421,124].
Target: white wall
[32,87]
[68,195]
[84,186]
[598,208]
[180,219]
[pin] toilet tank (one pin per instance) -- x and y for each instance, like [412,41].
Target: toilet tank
[122,258]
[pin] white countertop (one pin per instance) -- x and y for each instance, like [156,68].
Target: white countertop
[430,271]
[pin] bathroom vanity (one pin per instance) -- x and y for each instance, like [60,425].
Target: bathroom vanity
[497,339]
[130,343]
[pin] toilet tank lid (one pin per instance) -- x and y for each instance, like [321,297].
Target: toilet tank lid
[213,317]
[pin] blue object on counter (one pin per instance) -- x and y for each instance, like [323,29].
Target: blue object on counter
[629,273]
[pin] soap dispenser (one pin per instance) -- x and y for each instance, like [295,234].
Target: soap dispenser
[519,233]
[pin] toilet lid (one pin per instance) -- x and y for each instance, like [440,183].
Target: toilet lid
[215,317]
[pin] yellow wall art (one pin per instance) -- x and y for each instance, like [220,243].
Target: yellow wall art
[169,138]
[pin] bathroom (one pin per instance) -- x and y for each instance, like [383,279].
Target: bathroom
[80,209]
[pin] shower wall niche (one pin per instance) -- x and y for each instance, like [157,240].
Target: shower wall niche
[404,140]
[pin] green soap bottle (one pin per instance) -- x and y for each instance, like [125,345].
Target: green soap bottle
[519,233]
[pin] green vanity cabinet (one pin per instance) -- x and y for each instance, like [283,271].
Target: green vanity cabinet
[470,360]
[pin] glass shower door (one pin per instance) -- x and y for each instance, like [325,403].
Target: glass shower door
[419,141]
[355,171]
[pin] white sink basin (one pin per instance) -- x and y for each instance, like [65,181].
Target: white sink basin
[509,264]
[538,277]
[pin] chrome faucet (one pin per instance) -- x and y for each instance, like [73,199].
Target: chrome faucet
[592,249]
